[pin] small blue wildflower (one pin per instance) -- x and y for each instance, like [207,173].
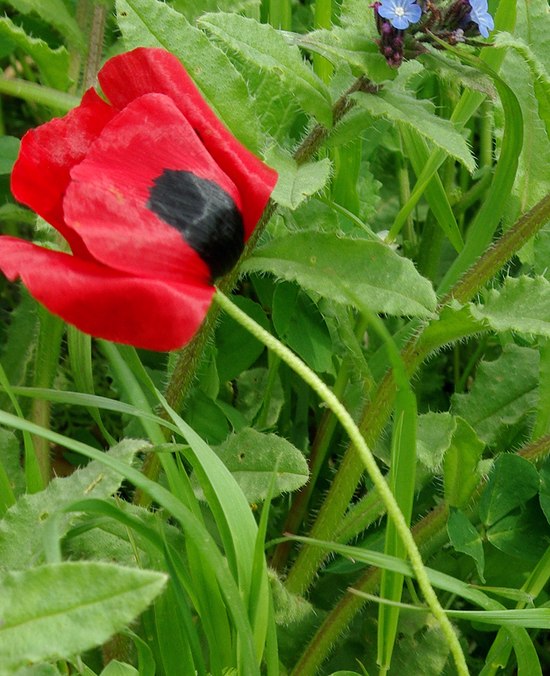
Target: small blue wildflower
[400,13]
[481,16]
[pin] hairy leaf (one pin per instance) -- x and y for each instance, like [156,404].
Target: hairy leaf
[58,610]
[262,45]
[342,268]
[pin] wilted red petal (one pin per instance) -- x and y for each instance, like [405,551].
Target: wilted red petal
[106,201]
[127,76]
[147,313]
[41,173]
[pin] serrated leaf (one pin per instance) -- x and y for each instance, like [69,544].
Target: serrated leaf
[419,116]
[296,182]
[150,23]
[522,305]
[512,482]
[52,63]
[265,47]
[356,48]
[59,610]
[192,9]
[464,538]
[55,13]
[252,458]
[503,392]
[22,528]
[342,268]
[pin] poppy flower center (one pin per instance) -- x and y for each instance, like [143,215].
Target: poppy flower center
[205,215]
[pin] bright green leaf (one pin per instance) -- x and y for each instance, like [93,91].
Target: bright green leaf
[55,13]
[265,47]
[296,182]
[252,458]
[503,393]
[419,116]
[56,611]
[522,305]
[342,268]
[434,436]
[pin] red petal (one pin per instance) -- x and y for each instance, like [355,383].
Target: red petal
[106,200]
[127,76]
[147,313]
[41,173]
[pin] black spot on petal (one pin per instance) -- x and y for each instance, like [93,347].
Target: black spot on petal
[205,215]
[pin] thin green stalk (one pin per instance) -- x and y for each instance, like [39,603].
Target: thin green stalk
[369,463]
[280,14]
[322,19]
[377,412]
[36,93]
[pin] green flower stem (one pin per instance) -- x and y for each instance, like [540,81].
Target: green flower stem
[368,461]
[36,93]
[430,534]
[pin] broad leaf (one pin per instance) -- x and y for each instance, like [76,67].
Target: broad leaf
[59,610]
[503,393]
[192,9]
[434,436]
[150,23]
[522,305]
[512,482]
[296,182]
[253,458]
[343,269]
[263,46]
[22,528]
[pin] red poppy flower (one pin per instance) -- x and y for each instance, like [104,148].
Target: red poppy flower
[154,196]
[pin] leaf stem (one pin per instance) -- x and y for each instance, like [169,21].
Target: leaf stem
[347,422]
[36,93]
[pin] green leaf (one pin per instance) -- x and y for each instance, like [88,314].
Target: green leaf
[513,481]
[150,23]
[522,305]
[465,538]
[434,436]
[342,268]
[301,326]
[296,182]
[192,9]
[354,47]
[237,349]
[265,47]
[419,116]
[55,13]
[251,389]
[460,469]
[539,74]
[57,611]
[503,393]
[22,529]
[544,495]
[252,458]
[523,534]
[52,63]
[116,668]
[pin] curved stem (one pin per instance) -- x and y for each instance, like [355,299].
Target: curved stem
[347,422]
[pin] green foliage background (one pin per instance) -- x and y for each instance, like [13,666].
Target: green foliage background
[212,516]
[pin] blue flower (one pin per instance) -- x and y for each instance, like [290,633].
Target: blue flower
[481,16]
[400,13]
